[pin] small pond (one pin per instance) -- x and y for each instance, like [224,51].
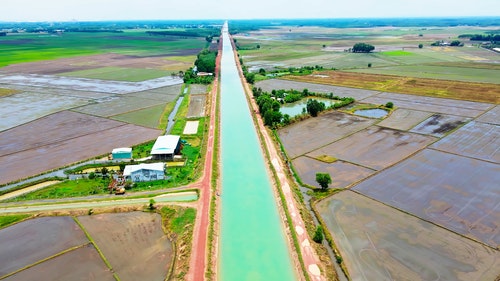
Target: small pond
[372,113]
[295,108]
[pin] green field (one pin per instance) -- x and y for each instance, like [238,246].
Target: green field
[396,51]
[119,74]
[19,48]
[147,117]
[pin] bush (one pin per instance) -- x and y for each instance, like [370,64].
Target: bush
[389,105]
[318,234]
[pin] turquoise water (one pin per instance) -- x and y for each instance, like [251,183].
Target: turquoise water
[252,243]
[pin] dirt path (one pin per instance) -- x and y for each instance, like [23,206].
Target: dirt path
[310,258]
[199,253]
[27,190]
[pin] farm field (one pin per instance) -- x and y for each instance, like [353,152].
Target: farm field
[58,248]
[396,51]
[381,243]
[133,243]
[196,106]
[73,137]
[453,191]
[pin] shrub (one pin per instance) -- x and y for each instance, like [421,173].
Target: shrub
[389,105]
[318,234]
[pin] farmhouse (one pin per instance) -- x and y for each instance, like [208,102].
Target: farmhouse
[166,147]
[122,153]
[144,172]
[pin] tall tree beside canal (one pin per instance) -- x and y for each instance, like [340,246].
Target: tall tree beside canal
[314,107]
[323,180]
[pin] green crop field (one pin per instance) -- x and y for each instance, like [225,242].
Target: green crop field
[119,74]
[20,48]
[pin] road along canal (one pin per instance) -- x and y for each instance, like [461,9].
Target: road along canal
[252,244]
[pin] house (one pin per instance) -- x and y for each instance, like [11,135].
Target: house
[166,147]
[144,172]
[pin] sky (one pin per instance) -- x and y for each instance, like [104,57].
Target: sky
[95,10]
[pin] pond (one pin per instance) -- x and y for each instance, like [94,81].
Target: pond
[295,108]
[372,113]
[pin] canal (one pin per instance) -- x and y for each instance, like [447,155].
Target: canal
[252,243]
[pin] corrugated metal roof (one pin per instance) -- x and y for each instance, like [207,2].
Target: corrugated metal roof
[165,144]
[122,150]
[129,169]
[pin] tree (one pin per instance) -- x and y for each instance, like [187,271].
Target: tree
[389,104]
[151,204]
[420,46]
[314,107]
[362,48]
[318,234]
[323,180]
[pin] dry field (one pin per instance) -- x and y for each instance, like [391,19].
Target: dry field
[196,106]
[404,119]
[61,139]
[380,243]
[133,243]
[56,248]
[481,92]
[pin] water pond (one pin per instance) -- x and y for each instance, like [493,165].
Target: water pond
[371,113]
[295,108]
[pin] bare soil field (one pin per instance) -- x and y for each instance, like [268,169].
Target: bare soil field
[80,264]
[31,241]
[197,89]
[191,128]
[458,193]
[313,133]
[404,119]
[273,84]
[344,174]
[438,125]
[375,147]
[133,243]
[475,139]
[482,92]
[382,243]
[63,65]
[196,106]
[73,137]
[430,104]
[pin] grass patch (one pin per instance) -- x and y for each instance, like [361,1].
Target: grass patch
[11,219]
[326,158]
[396,53]
[147,117]
[7,92]
[68,188]
[178,222]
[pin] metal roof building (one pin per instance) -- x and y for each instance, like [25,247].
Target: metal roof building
[166,147]
[145,172]
[122,153]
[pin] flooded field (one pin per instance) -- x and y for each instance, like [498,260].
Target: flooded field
[371,113]
[375,147]
[439,125]
[326,128]
[56,248]
[84,84]
[382,243]
[456,192]
[404,119]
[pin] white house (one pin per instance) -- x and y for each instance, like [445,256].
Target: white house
[145,172]
[166,147]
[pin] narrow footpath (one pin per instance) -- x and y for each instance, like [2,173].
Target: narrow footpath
[198,264]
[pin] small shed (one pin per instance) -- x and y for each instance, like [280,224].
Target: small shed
[122,153]
[144,172]
[166,147]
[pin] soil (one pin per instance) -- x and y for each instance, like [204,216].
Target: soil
[197,105]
